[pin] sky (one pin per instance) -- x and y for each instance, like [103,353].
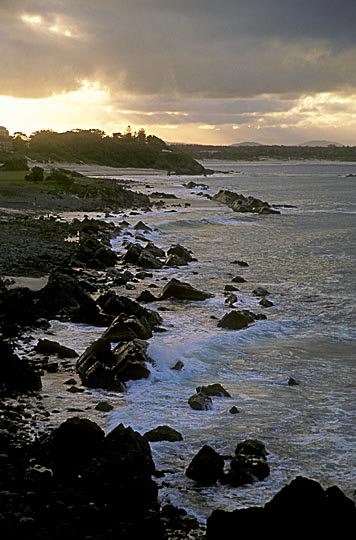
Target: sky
[197,71]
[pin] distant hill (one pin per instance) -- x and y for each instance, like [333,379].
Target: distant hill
[320,143]
[247,143]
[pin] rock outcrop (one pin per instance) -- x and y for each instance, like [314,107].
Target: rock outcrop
[240,203]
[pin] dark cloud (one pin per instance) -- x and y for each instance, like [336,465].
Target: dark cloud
[177,48]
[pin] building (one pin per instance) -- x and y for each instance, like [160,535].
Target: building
[5,140]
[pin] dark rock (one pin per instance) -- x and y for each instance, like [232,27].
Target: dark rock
[96,367]
[131,361]
[200,402]
[266,303]
[104,406]
[16,375]
[146,297]
[213,390]
[292,382]
[178,365]
[64,297]
[141,226]
[163,433]
[234,410]
[181,252]
[238,279]
[46,346]
[154,250]
[235,320]
[182,291]
[249,463]
[72,443]
[240,203]
[230,288]
[240,263]
[174,261]
[206,467]
[260,291]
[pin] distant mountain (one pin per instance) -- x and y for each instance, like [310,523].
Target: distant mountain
[320,143]
[248,143]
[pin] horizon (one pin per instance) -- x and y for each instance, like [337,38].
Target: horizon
[279,73]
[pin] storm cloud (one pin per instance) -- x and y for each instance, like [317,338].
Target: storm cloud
[198,48]
[176,55]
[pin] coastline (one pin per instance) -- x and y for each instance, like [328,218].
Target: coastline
[169,207]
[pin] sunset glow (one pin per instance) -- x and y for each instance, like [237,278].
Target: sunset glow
[182,73]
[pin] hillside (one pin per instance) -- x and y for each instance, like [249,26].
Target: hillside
[95,147]
[263,152]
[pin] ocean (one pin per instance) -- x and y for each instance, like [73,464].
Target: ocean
[306,258]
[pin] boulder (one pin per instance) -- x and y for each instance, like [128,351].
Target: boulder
[238,279]
[127,328]
[206,467]
[266,303]
[47,346]
[181,252]
[96,367]
[240,203]
[163,433]
[200,402]
[16,375]
[260,291]
[131,361]
[141,226]
[235,320]
[146,297]
[174,261]
[302,504]
[249,463]
[213,390]
[182,291]
[64,297]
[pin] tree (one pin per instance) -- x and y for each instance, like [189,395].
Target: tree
[36,175]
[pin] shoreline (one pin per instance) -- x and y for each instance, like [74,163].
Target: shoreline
[169,204]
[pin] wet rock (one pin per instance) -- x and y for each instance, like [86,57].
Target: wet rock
[249,463]
[16,375]
[230,288]
[301,501]
[200,402]
[154,250]
[163,433]
[182,291]
[266,303]
[174,261]
[240,203]
[146,297]
[215,389]
[179,365]
[292,382]
[235,320]
[104,406]
[260,291]
[65,298]
[234,410]
[141,226]
[240,263]
[96,367]
[183,253]
[127,328]
[238,279]
[46,346]
[131,361]
[206,467]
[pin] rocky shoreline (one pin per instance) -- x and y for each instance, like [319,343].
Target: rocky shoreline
[74,480]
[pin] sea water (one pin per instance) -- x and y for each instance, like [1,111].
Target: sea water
[306,258]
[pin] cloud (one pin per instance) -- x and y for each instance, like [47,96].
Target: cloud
[200,65]
[180,48]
